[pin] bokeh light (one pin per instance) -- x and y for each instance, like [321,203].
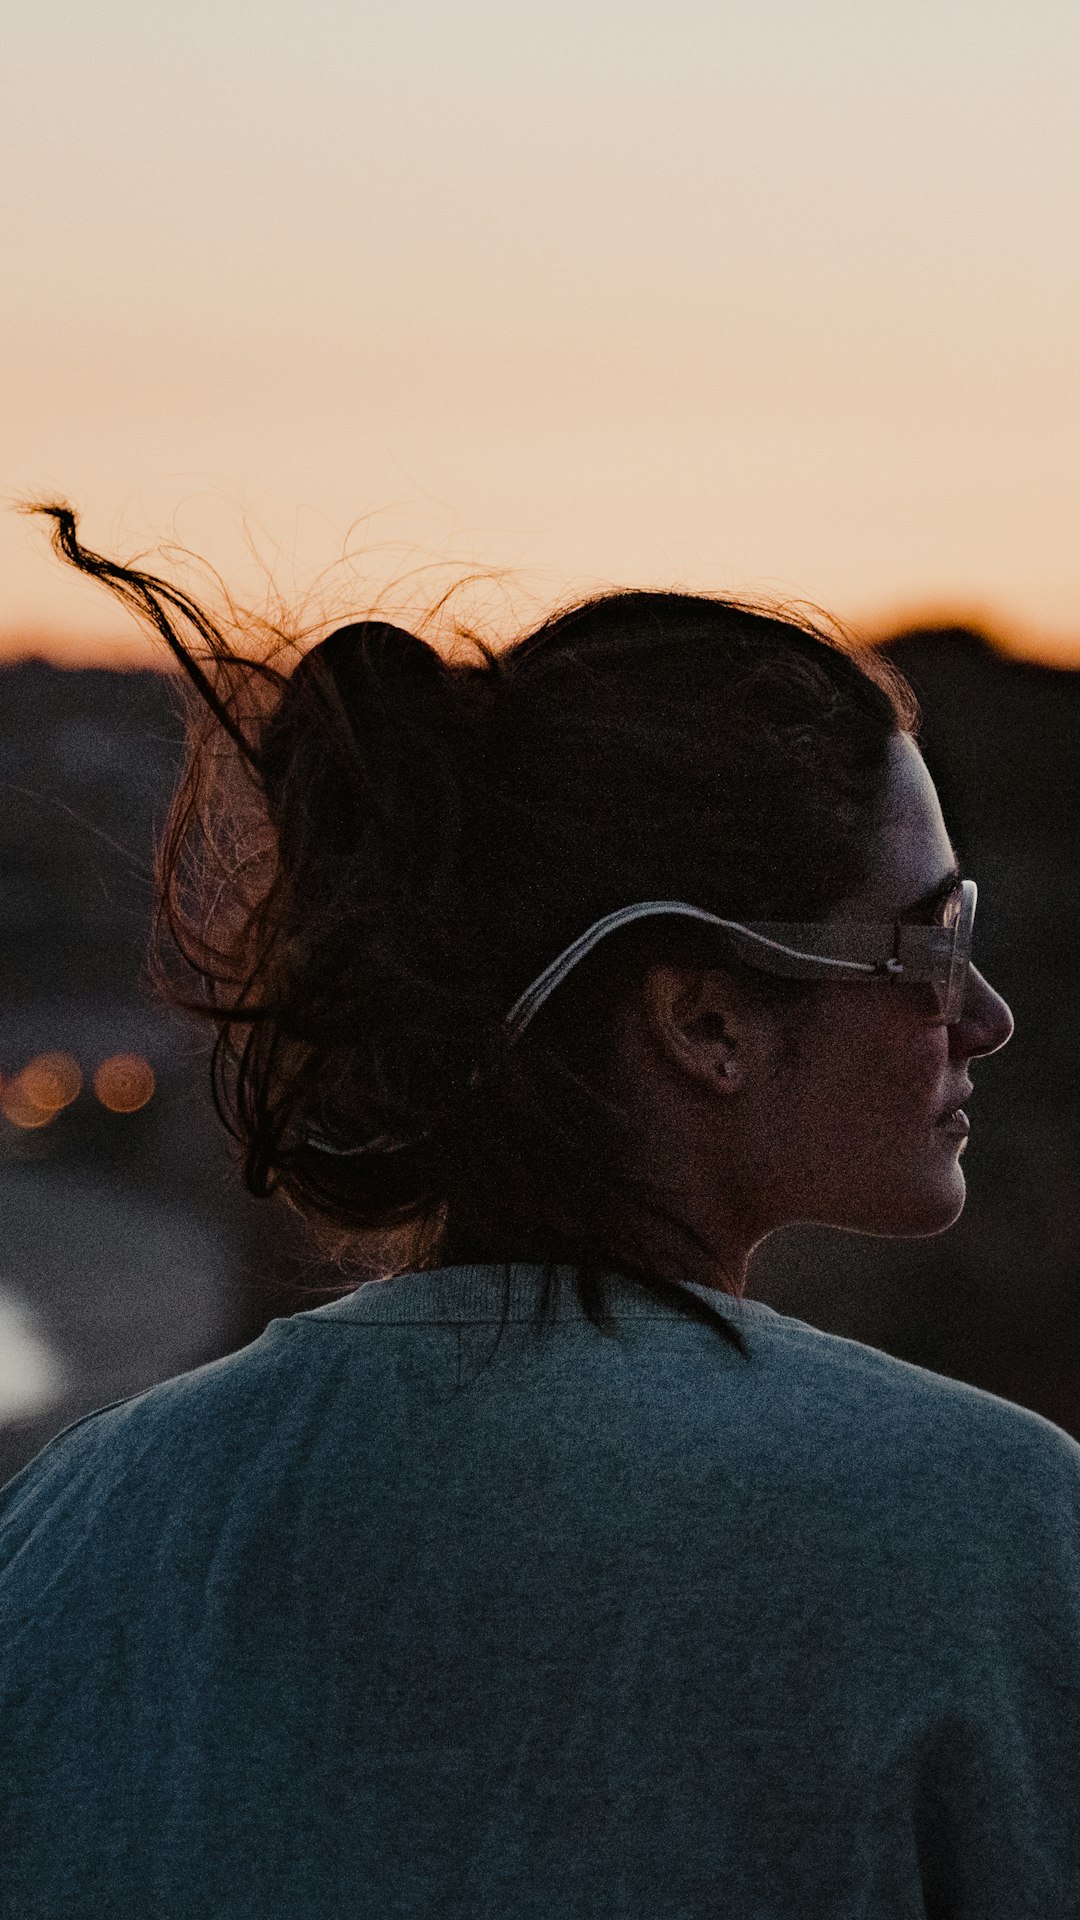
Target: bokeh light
[19,1109]
[124,1082]
[51,1081]
[35,1095]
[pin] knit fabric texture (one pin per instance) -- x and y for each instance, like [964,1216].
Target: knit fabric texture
[348,1626]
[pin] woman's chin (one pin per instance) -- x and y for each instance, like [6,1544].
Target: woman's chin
[924,1204]
[930,1205]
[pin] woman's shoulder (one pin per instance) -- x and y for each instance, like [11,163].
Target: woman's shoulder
[909,1411]
[134,1451]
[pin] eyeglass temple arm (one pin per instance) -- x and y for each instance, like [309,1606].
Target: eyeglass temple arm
[534,996]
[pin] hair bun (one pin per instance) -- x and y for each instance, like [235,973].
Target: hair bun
[381,644]
[392,682]
[368,688]
[369,656]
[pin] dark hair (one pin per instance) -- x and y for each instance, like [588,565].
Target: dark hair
[389,844]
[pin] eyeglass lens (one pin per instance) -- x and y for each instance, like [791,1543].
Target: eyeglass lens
[952,991]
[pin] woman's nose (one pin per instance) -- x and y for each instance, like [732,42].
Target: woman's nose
[986,1023]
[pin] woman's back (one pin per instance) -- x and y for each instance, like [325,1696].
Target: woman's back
[352,1623]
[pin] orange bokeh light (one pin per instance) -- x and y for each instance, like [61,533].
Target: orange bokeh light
[32,1097]
[124,1082]
[51,1081]
[21,1111]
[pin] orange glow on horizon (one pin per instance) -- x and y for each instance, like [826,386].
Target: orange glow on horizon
[1009,639]
[78,650]
[1012,641]
[725,356]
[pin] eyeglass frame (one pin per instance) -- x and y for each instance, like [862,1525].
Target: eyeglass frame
[914,953]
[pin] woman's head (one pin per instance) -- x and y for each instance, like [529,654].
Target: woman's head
[422,836]
[828,1113]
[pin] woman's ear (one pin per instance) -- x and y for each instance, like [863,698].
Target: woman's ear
[698,1020]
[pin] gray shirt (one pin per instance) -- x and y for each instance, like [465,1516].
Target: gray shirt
[614,1628]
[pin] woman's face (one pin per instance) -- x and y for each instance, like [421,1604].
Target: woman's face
[857,1143]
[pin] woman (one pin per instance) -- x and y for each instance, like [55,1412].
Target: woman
[582,967]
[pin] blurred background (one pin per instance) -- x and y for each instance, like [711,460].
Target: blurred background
[359,302]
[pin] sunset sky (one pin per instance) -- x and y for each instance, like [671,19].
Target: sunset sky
[772,297]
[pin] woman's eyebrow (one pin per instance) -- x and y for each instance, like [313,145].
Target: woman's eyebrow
[946,886]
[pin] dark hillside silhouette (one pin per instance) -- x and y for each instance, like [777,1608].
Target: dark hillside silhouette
[86,759]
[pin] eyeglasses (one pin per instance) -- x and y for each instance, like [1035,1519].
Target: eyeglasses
[914,954]
[936,955]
